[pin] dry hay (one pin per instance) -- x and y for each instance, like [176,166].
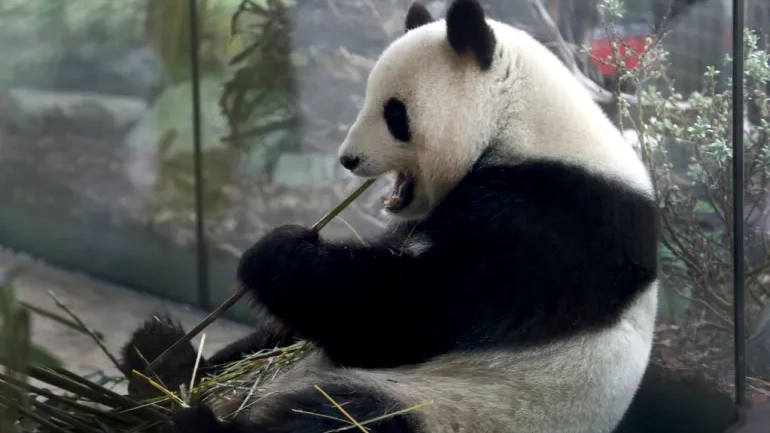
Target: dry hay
[66,402]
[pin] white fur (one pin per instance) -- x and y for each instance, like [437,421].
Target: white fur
[582,385]
[539,112]
[456,110]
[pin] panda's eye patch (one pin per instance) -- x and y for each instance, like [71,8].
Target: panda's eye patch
[394,112]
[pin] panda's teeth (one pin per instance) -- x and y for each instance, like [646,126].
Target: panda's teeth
[395,193]
[389,201]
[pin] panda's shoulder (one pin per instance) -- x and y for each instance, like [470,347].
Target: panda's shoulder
[546,181]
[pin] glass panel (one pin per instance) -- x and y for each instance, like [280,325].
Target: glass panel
[283,110]
[690,145]
[686,119]
[95,139]
[757,203]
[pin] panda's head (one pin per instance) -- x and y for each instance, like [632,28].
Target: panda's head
[432,104]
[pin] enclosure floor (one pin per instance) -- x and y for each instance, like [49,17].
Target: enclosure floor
[112,310]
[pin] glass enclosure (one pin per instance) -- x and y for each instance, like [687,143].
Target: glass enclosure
[137,150]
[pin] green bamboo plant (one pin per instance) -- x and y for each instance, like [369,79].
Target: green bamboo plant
[17,353]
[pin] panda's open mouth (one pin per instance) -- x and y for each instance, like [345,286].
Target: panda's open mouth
[401,194]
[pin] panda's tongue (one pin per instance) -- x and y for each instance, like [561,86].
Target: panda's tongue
[398,187]
[398,193]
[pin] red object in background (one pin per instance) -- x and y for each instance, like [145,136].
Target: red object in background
[727,38]
[601,49]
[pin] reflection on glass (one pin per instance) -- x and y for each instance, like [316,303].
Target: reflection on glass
[96,141]
[685,122]
[295,85]
[757,196]
[94,134]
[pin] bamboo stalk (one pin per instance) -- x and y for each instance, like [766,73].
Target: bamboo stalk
[61,320]
[242,290]
[85,382]
[4,402]
[85,328]
[54,412]
[57,398]
[67,384]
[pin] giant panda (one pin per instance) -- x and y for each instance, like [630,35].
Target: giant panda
[516,286]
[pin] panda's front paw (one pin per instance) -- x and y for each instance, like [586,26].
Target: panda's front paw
[197,418]
[269,265]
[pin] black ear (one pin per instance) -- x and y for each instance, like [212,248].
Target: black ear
[417,16]
[468,31]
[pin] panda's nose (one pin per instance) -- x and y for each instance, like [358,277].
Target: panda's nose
[350,162]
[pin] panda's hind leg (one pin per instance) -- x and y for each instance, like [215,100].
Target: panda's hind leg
[304,411]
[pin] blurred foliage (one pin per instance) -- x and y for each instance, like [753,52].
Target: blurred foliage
[258,101]
[110,21]
[248,115]
[35,33]
[16,351]
[65,401]
[686,142]
[168,27]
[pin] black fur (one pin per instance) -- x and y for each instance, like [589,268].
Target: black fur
[396,117]
[518,255]
[147,342]
[319,414]
[417,16]
[671,401]
[468,31]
